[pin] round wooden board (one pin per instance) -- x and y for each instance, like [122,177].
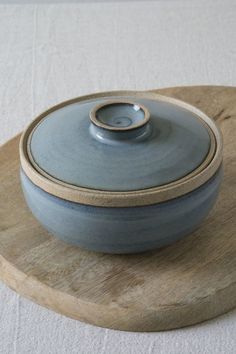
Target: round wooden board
[188,282]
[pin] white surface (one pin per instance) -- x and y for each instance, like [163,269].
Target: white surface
[49,53]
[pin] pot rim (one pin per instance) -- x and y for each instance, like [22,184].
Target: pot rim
[140,197]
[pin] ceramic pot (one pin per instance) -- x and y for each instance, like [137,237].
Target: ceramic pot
[121,172]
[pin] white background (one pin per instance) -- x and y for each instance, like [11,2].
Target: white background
[52,52]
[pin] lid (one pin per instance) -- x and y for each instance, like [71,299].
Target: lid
[120,149]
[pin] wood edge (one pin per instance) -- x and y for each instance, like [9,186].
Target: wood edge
[170,88]
[224,291]
[151,320]
[122,199]
[6,143]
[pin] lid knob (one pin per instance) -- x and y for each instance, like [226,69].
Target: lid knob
[116,121]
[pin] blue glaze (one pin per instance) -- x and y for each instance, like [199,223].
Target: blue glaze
[122,230]
[173,144]
[120,115]
[117,138]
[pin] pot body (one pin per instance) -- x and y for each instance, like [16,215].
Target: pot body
[122,230]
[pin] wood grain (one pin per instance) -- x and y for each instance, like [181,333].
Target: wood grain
[188,282]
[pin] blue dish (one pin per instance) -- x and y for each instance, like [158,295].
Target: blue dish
[122,230]
[122,175]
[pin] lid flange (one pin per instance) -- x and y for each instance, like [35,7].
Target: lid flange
[128,198]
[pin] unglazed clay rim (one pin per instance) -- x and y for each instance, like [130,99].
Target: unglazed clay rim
[125,198]
[95,121]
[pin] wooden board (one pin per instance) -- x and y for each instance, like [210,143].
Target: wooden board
[186,283]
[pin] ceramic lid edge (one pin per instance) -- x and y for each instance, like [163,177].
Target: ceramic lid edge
[128,198]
